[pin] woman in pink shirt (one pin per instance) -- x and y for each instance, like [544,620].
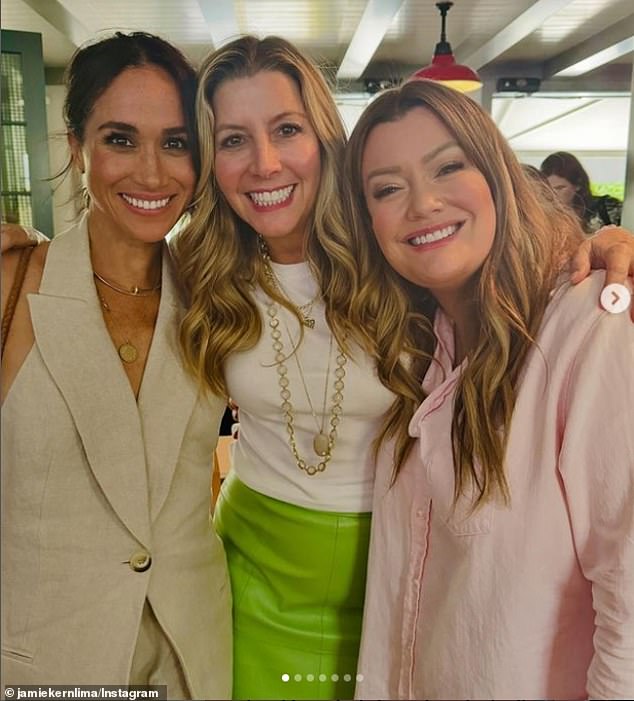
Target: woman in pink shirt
[502,553]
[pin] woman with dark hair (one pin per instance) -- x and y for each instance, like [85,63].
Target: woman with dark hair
[570,181]
[111,571]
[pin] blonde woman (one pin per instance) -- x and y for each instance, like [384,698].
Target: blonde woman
[502,557]
[267,270]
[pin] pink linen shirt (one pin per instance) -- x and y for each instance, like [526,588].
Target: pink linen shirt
[531,601]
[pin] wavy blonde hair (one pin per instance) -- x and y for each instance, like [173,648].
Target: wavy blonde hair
[393,318]
[217,255]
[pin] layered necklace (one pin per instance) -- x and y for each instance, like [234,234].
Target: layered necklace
[325,437]
[305,310]
[130,291]
[127,351]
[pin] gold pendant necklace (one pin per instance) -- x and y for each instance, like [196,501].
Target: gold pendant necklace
[132,291]
[322,443]
[127,351]
[304,311]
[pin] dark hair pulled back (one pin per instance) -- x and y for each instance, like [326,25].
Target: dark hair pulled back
[95,66]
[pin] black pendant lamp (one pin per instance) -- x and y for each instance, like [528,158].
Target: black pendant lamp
[443,67]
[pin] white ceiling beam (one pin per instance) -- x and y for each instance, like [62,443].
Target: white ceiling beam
[613,42]
[61,19]
[523,25]
[553,119]
[221,19]
[376,20]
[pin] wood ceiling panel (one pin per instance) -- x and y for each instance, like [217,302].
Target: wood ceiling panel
[575,24]
[321,28]
[324,28]
[416,29]
[181,22]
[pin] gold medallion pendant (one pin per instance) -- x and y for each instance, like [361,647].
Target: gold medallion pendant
[320,444]
[127,352]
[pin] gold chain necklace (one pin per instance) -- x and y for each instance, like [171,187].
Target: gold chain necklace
[132,291]
[304,311]
[322,443]
[127,351]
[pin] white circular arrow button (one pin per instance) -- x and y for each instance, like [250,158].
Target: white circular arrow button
[615,298]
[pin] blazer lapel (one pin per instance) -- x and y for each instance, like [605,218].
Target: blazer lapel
[167,396]
[75,346]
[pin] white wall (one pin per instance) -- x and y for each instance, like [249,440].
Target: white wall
[600,168]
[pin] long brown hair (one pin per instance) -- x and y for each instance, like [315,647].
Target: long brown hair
[394,317]
[217,255]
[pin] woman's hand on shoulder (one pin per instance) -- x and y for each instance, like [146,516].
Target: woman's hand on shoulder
[612,249]
[18,236]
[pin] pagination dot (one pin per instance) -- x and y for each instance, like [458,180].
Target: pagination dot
[322,677]
[334,677]
[297,677]
[310,677]
[347,677]
[359,677]
[285,677]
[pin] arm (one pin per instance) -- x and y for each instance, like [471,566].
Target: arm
[16,236]
[612,247]
[597,470]
[19,339]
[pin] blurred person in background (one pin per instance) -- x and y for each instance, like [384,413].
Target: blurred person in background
[571,182]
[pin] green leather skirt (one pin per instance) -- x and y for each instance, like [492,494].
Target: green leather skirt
[298,582]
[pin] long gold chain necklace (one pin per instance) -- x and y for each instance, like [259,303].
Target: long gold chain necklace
[304,310]
[322,443]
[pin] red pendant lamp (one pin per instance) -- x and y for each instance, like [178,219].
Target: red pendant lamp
[443,67]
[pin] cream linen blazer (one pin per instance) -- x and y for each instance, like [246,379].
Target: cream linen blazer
[93,482]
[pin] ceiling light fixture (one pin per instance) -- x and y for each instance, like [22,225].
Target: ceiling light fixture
[443,67]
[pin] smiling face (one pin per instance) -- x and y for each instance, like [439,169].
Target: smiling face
[136,157]
[267,162]
[432,211]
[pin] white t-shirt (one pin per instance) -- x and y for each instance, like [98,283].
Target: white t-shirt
[262,458]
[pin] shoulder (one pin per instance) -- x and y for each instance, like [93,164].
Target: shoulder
[575,311]
[569,302]
[608,200]
[608,208]
[575,317]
